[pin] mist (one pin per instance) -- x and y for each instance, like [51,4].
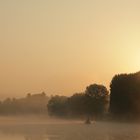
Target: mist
[84,54]
[39,128]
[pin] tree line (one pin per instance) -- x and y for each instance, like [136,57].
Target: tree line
[93,102]
[123,101]
[31,104]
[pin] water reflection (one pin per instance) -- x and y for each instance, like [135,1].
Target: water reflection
[70,131]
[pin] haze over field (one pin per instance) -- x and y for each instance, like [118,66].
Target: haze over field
[62,46]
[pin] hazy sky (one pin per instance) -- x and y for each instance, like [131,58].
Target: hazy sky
[61,46]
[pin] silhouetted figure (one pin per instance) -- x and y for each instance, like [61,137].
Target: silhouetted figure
[88,121]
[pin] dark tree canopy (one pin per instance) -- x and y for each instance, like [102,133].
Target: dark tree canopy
[57,105]
[97,99]
[125,94]
[96,91]
[77,104]
[92,101]
[67,106]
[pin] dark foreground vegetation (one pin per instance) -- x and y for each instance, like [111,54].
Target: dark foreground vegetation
[122,103]
[93,102]
[125,96]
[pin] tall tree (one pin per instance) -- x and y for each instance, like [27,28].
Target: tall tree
[96,99]
[125,95]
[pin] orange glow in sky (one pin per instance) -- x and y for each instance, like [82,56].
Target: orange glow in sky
[61,47]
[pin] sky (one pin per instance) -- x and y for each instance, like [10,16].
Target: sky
[62,46]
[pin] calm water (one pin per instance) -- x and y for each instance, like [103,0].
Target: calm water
[69,131]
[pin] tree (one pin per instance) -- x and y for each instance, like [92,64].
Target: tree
[92,101]
[96,99]
[73,106]
[76,104]
[125,95]
[57,105]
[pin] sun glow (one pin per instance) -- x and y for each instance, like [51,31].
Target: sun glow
[64,46]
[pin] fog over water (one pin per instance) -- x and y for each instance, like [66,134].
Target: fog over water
[31,128]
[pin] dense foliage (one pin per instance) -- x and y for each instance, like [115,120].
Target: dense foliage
[125,95]
[97,99]
[122,102]
[92,102]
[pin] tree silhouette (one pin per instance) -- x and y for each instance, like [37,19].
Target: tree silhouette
[125,95]
[57,106]
[96,99]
